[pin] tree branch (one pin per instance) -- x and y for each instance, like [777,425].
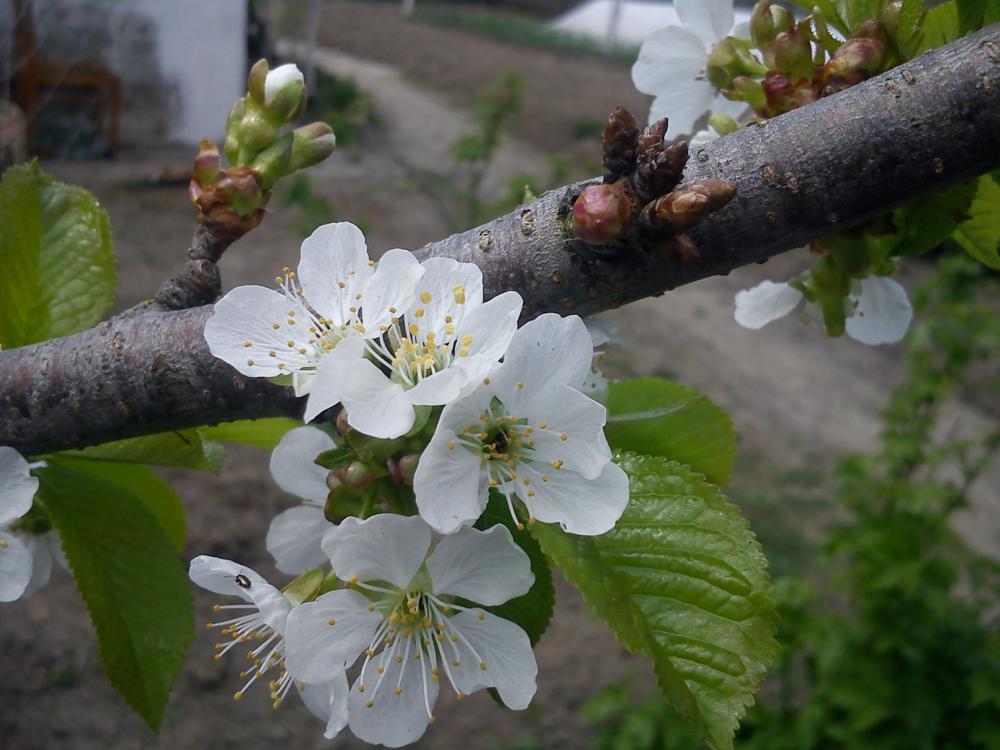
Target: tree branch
[834,164]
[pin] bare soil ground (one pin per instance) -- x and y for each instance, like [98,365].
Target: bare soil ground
[795,398]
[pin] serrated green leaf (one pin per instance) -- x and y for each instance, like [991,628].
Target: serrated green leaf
[131,580]
[533,611]
[681,579]
[57,259]
[834,11]
[151,490]
[660,418]
[264,433]
[182,449]
[979,235]
[907,34]
[939,27]
[336,458]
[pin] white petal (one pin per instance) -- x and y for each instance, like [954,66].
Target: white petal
[332,255]
[440,388]
[328,701]
[581,506]
[385,547]
[670,56]
[249,313]
[767,301]
[437,287]
[602,331]
[447,483]
[278,78]
[394,719]
[232,579]
[41,561]
[485,567]
[315,650]
[392,286]
[883,314]
[570,413]
[295,538]
[684,105]
[492,326]
[505,650]
[549,349]
[293,463]
[15,567]
[17,486]
[711,20]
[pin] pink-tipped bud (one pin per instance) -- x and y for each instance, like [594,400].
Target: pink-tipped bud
[206,164]
[601,213]
[406,468]
[356,476]
[857,60]
[793,53]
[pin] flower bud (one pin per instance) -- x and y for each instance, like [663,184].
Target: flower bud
[601,213]
[784,93]
[857,60]
[750,91]
[406,468]
[285,92]
[357,475]
[619,144]
[793,53]
[273,162]
[343,427]
[723,124]
[653,135]
[312,144]
[206,164]
[254,132]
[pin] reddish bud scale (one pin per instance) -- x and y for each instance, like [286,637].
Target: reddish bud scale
[619,141]
[601,213]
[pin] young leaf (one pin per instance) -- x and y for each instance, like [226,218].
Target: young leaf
[56,255]
[979,235]
[151,490]
[660,418]
[264,433]
[182,449]
[974,14]
[131,580]
[681,579]
[533,611]
[926,223]
[940,26]
[336,458]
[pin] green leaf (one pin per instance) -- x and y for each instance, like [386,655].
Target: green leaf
[336,458]
[131,579]
[979,235]
[926,223]
[150,489]
[834,11]
[182,449]
[264,433]
[681,579]
[56,255]
[907,35]
[940,27]
[974,14]
[660,418]
[533,611]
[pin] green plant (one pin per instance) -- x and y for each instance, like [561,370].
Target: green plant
[342,104]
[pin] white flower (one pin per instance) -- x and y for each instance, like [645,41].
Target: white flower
[529,432]
[278,78]
[878,310]
[339,297]
[294,537]
[447,340]
[672,63]
[261,622]
[25,559]
[399,613]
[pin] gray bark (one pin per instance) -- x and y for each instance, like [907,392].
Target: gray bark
[921,127]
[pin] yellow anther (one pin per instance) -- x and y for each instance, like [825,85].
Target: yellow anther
[463,352]
[276,326]
[250,362]
[557,464]
[532,520]
[482,665]
[371,607]
[247,344]
[369,704]
[425,297]
[418,313]
[564,437]
[392,310]
[272,354]
[414,329]
[302,350]
[331,621]
[542,425]
[486,381]
[481,616]
[341,284]
[531,493]
[527,481]
[278,280]
[451,445]
[399,660]
[520,386]
[358,327]
[238,695]
[380,670]
[361,688]
[399,691]
[520,527]
[358,295]
[449,330]
[459,695]
[545,477]
[459,292]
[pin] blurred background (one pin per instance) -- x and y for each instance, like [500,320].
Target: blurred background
[867,473]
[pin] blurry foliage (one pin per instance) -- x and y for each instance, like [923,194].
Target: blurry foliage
[311,210]
[517,29]
[901,649]
[341,104]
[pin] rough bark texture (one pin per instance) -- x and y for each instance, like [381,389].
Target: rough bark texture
[920,127]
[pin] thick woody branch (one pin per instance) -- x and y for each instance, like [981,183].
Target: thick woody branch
[921,127]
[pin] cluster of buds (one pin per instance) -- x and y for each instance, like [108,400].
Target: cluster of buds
[641,193]
[231,200]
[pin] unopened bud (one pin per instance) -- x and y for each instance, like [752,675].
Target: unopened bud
[681,209]
[750,91]
[406,468]
[343,426]
[730,58]
[784,93]
[872,29]
[857,60]
[653,135]
[601,213]
[273,162]
[793,53]
[723,124]
[333,482]
[256,80]
[312,144]
[206,164]
[254,132]
[356,476]
[619,144]
[285,92]
[767,21]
